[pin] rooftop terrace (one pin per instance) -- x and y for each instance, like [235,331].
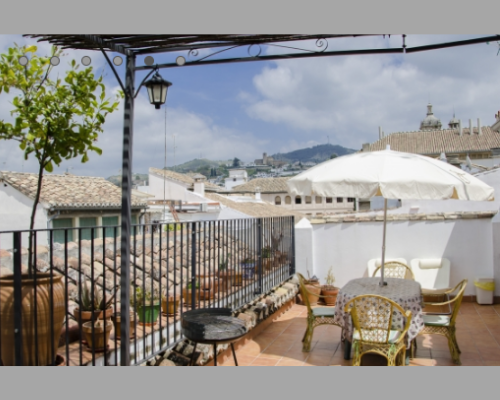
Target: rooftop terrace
[280,343]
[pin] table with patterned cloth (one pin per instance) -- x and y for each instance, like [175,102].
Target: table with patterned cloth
[405,292]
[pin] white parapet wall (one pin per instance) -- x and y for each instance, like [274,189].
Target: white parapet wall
[346,243]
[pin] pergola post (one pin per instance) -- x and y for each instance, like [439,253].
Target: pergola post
[128,129]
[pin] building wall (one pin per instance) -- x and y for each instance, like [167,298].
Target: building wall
[313,208]
[467,243]
[15,214]
[173,190]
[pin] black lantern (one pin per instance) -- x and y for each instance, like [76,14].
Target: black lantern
[157,90]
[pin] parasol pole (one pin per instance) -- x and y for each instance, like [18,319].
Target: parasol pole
[382,283]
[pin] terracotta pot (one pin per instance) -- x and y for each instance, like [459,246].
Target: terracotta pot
[47,336]
[101,334]
[86,316]
[187,296]
[268,263]
[170,304]
[315,290]
[117,320]
[224,280]
[237,278]
[330,293]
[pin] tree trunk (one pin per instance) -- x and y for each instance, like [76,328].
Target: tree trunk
[31,255]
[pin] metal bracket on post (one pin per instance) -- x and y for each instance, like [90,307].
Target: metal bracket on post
[18,334]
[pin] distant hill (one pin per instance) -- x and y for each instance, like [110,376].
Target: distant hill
[195,165]
[317,154]
[137,179]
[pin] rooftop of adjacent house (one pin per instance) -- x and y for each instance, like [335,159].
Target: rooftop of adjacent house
[254,209]
[263,185]
[188,179]
[70,191]
[439,141]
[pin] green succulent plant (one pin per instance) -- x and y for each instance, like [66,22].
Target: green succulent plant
[99,302]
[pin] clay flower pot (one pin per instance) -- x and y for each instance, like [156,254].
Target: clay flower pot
[330,293]
[224,280]
[99,340]
[47,337]
[170,304]
[237,278]
[83,317]
[117,321]
[314,289]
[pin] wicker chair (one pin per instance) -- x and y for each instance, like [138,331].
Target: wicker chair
[315,316]
[372,320]
[395,269]
[445,324]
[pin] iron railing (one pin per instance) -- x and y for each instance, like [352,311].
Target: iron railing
[225,263]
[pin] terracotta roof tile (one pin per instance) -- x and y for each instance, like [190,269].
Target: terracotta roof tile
[70,191]
[266,185]
[437,142]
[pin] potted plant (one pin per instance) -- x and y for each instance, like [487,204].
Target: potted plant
[117,321]
[314,289]
[170,303]
[147,305]
[248,267]
[329,291]
[98,340]
[224,273]
[267,258]
[187,293]
[92,309]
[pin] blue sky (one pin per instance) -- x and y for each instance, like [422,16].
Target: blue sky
[244,109]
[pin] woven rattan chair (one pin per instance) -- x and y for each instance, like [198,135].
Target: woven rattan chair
[395,269]
[372,320]
[445,324]
[315,316]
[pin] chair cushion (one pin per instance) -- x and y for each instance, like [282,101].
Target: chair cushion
[434,291]
[324,311]
[393,335]
[436,320]
[431,263]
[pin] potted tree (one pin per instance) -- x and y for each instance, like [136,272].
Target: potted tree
[97,337]
[147,305]
[329,291]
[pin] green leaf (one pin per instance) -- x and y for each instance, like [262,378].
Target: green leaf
[49,167]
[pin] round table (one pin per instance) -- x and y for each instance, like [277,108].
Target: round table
[407,293]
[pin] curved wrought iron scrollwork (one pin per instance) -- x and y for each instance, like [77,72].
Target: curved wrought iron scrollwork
[193,53]
[249,49]
[321,44]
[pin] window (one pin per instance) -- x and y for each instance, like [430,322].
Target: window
[298,200]
[329,200]
[288,200]
[86,234]
[277,200]
[319,200]
[340,199]
[308,200]
[350,199]
[112,222]
[58,236]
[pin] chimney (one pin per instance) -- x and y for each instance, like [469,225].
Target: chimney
[470,126]
[460,127]
[199,187]
[257,193]
[479,126]
[365,147]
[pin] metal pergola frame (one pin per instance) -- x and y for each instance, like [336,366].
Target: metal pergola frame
[132,46]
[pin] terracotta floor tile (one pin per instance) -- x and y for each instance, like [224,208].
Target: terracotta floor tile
[444,362]
[422,362]
[319,359]
[290,363]
[296,354]
[491,363]
[250,349]
[265,362]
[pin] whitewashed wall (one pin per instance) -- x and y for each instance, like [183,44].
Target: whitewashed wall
[468,244]
[15,214]
[173,191]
